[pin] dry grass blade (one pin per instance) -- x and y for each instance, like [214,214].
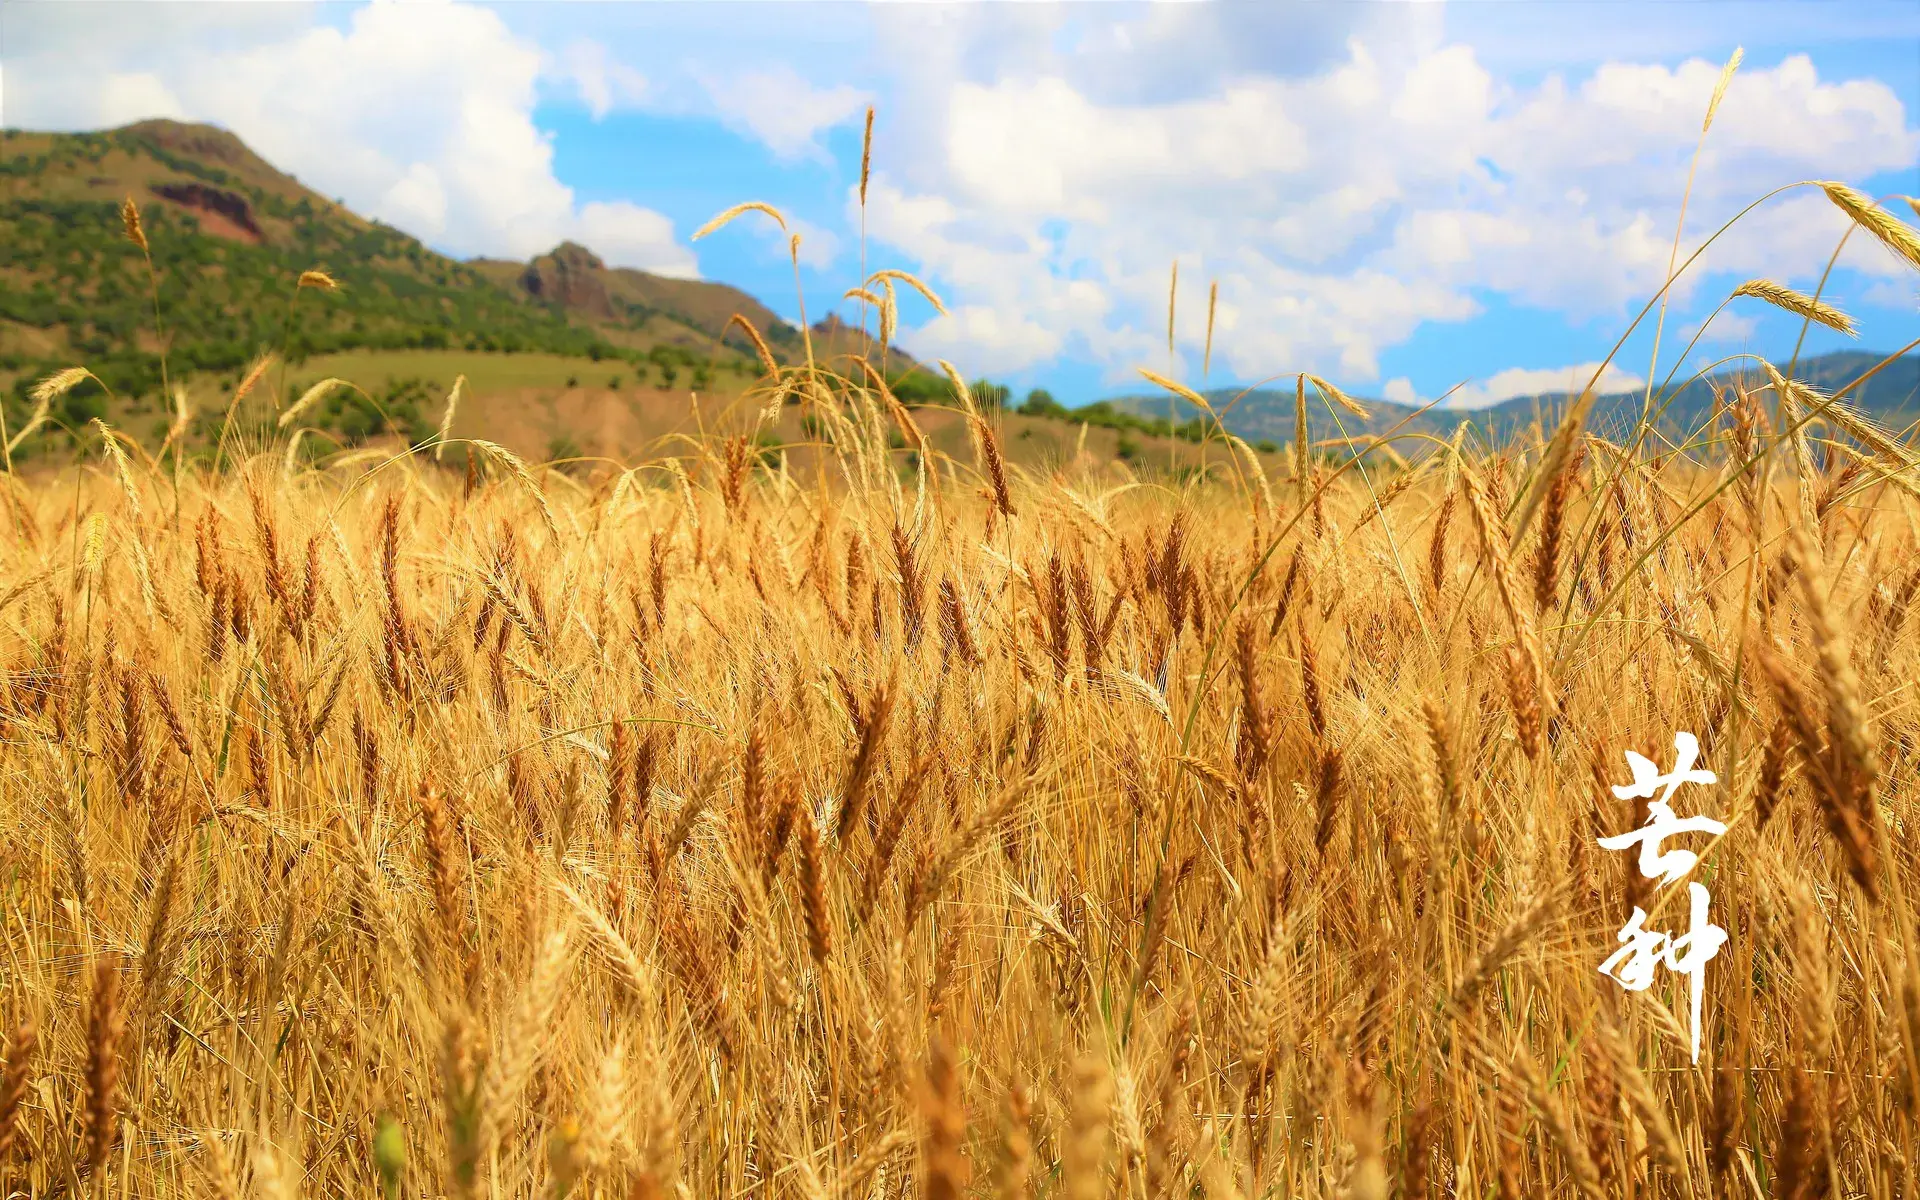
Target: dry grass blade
[1720,86]
[866,156]
[737,210]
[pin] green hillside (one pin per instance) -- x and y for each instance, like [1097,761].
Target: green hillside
[632,307]
[228,244]
[230,237]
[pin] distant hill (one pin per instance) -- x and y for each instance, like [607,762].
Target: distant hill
[230,234]
[629,306]
[1892,396]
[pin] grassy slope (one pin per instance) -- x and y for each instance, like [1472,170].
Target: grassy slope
[546,406]
[678,311]
[539,404]
[225,285]
[230,235]
[403,324]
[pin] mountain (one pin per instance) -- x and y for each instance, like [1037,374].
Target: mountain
[1267,414]
[230,234]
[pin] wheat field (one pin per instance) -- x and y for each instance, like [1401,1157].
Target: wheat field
[898,826]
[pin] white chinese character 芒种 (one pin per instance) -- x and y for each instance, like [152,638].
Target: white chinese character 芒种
[1643,950]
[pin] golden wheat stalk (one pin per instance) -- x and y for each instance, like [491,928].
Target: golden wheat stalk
[767,361]
[1720,86]
[517,467]
[1798,303]
[446,418]
[866,156]
[1339,397]
[58,384]
[1890,231]
[912,281]
[308,399]
[1181,390]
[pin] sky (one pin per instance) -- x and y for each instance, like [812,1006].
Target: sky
[1413,200]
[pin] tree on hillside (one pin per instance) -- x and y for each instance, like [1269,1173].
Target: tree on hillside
[1040,403]
[988,394]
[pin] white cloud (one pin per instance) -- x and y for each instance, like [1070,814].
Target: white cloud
[782,110]
[625,235]
[988,339]
[1346,173]
[1041,146]
[819,247]
[418,114]
[1540,381]
[1903,292]
[1728,327]
[1343,205]
[602,83]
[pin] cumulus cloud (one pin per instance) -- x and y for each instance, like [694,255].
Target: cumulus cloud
[1348,174]
[1346,202]
[781,109]
[1895,293]
[1400,390]
[1042,147]
[625,234]
[988,339]
[1728,327]
[602,83]
[418,114]
[1528,381]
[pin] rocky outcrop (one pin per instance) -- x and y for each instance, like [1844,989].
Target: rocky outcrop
[572,277]
[222,211]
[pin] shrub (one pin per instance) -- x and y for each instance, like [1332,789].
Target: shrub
[1040,403]
[399,410]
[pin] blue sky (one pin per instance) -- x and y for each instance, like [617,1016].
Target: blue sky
[1402,198]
